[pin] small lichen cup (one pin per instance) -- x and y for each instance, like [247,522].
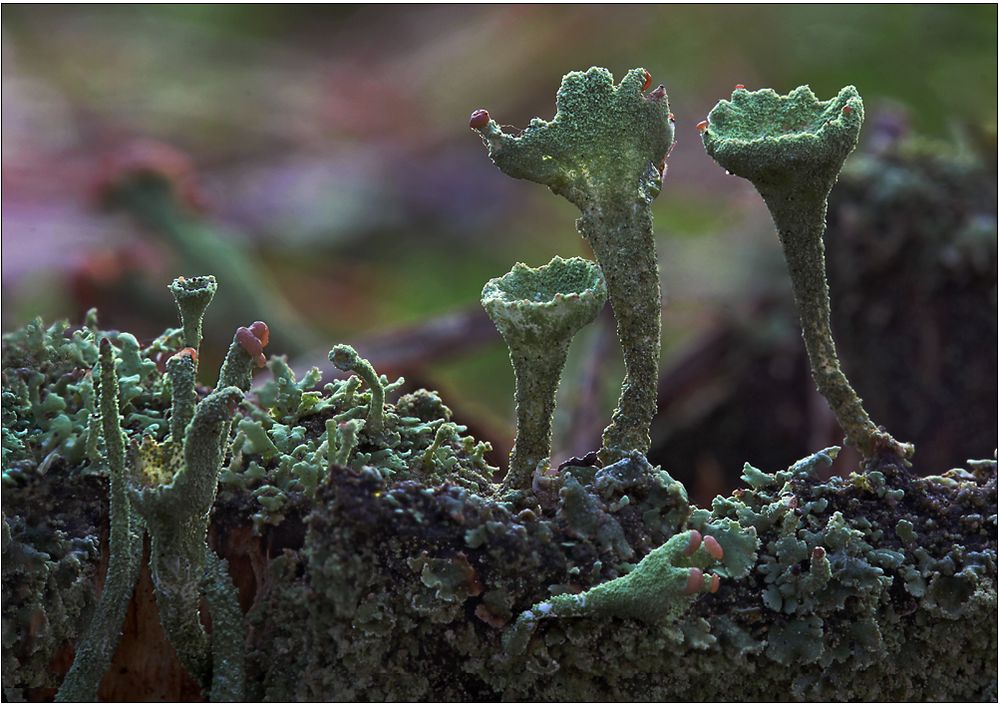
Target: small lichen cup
[792,148]
[605,152]
[538,311]
[193,295]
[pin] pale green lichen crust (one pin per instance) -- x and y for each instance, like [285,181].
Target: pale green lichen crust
[792,148]
[818,596]
[604,151]
[391,579]
[538,311]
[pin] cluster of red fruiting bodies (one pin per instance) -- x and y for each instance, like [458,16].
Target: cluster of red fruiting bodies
[696,576]
[253,340]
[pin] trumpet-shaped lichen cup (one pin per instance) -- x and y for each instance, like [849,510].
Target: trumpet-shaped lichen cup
[538,311]
[605,151]
[792,148]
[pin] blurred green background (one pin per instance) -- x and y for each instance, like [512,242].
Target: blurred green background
[331,147]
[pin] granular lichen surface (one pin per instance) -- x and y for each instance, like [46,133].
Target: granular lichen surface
[349,541]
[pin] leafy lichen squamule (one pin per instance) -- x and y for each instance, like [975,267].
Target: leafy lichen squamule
[604,151]
[792,148]
[345,358]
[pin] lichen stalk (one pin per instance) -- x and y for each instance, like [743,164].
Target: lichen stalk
[536,381]
[624,247]
[228,632]
[345,358]
[96,647]
[181,370]
[604,151]
[177,515]
[800,230]
[538,311]
[245,353]
[792,148]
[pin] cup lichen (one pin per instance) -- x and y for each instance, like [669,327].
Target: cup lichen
[193,295]
[604,151]
[792,148]
[384,565]
[538,311]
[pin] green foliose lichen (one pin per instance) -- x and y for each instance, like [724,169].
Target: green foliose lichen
[408,563]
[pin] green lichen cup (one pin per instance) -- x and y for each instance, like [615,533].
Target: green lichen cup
[605,151]
[538,311]
[775,140]
[193,295]
[792,148]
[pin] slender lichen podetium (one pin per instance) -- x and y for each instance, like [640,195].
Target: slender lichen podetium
[345,358]
[792,148]
[182,369]
[193,295]
[538,311]
[246,352]
[97,645]
[228,632]
[175,499]
[604,151]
